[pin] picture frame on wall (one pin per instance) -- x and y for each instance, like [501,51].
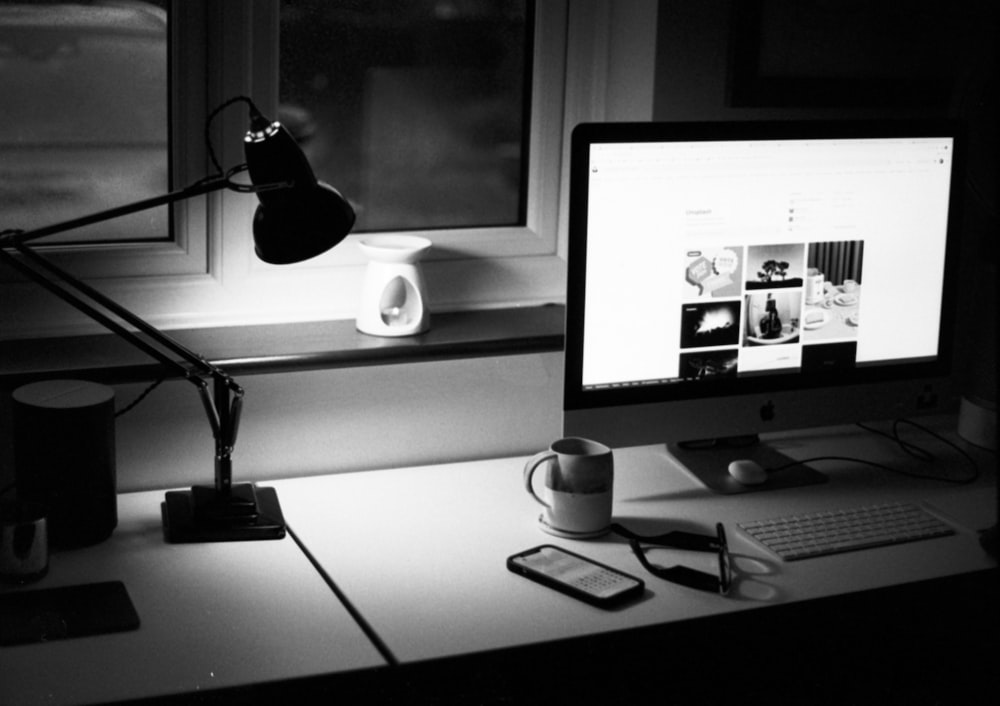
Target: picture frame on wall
[847,54]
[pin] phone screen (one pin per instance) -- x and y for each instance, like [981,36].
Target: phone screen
[576,575]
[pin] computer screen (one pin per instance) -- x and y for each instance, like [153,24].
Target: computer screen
[727,280]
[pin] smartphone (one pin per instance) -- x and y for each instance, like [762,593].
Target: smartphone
[41,615]
[576,575]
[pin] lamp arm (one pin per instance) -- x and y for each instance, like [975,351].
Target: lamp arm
[223,408]
[92,312]
[92,295]
[13,238]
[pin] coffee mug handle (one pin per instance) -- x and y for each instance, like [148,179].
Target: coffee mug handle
[529,470]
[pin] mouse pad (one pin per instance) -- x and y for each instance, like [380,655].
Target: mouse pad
[709,466]
[41,615]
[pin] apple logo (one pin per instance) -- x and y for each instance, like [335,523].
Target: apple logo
[767,411]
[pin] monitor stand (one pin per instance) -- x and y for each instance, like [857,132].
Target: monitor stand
[708,461]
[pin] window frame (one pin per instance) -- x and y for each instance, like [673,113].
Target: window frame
[208,275]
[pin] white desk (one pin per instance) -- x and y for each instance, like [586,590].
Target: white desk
[421,552]
[212,616]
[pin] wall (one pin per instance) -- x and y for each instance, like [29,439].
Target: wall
[334,421]
[376,417]
[348,420]
[912,44]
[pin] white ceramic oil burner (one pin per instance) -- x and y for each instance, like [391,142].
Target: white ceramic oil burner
[394,298]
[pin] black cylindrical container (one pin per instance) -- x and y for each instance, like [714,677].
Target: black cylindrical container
[64,457]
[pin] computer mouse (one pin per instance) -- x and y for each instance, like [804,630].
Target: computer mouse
[747,471]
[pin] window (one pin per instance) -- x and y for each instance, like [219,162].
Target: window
[504,253]
[415,110]
[84,124]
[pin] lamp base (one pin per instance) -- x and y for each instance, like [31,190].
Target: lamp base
[200,515]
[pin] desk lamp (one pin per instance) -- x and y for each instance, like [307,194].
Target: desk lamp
[297,218]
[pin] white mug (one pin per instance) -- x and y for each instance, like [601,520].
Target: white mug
[578,487]
[24,542]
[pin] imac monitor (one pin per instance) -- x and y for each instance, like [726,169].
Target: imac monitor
[726,280]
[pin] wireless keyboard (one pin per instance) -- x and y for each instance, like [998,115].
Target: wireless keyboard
[830,532]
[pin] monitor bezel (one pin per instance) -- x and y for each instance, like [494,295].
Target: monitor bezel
[758,387]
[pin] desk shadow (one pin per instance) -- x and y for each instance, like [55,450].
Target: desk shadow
[647,595]
[684,494]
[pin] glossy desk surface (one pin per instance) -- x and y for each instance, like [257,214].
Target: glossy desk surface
[212,616]
[421,552]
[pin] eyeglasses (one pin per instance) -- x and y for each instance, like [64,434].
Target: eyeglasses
[683,575]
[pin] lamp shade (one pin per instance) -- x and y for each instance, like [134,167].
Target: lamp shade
[303,219]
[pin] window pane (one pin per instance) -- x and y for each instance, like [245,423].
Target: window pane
[83,116]
[415,109]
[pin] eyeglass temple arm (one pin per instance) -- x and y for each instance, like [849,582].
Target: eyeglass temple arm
[678,539]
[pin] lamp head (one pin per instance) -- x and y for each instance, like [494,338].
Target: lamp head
[298,221]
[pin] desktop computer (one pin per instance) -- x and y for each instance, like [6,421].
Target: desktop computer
[730,279]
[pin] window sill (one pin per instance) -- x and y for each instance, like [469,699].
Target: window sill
[248,350]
